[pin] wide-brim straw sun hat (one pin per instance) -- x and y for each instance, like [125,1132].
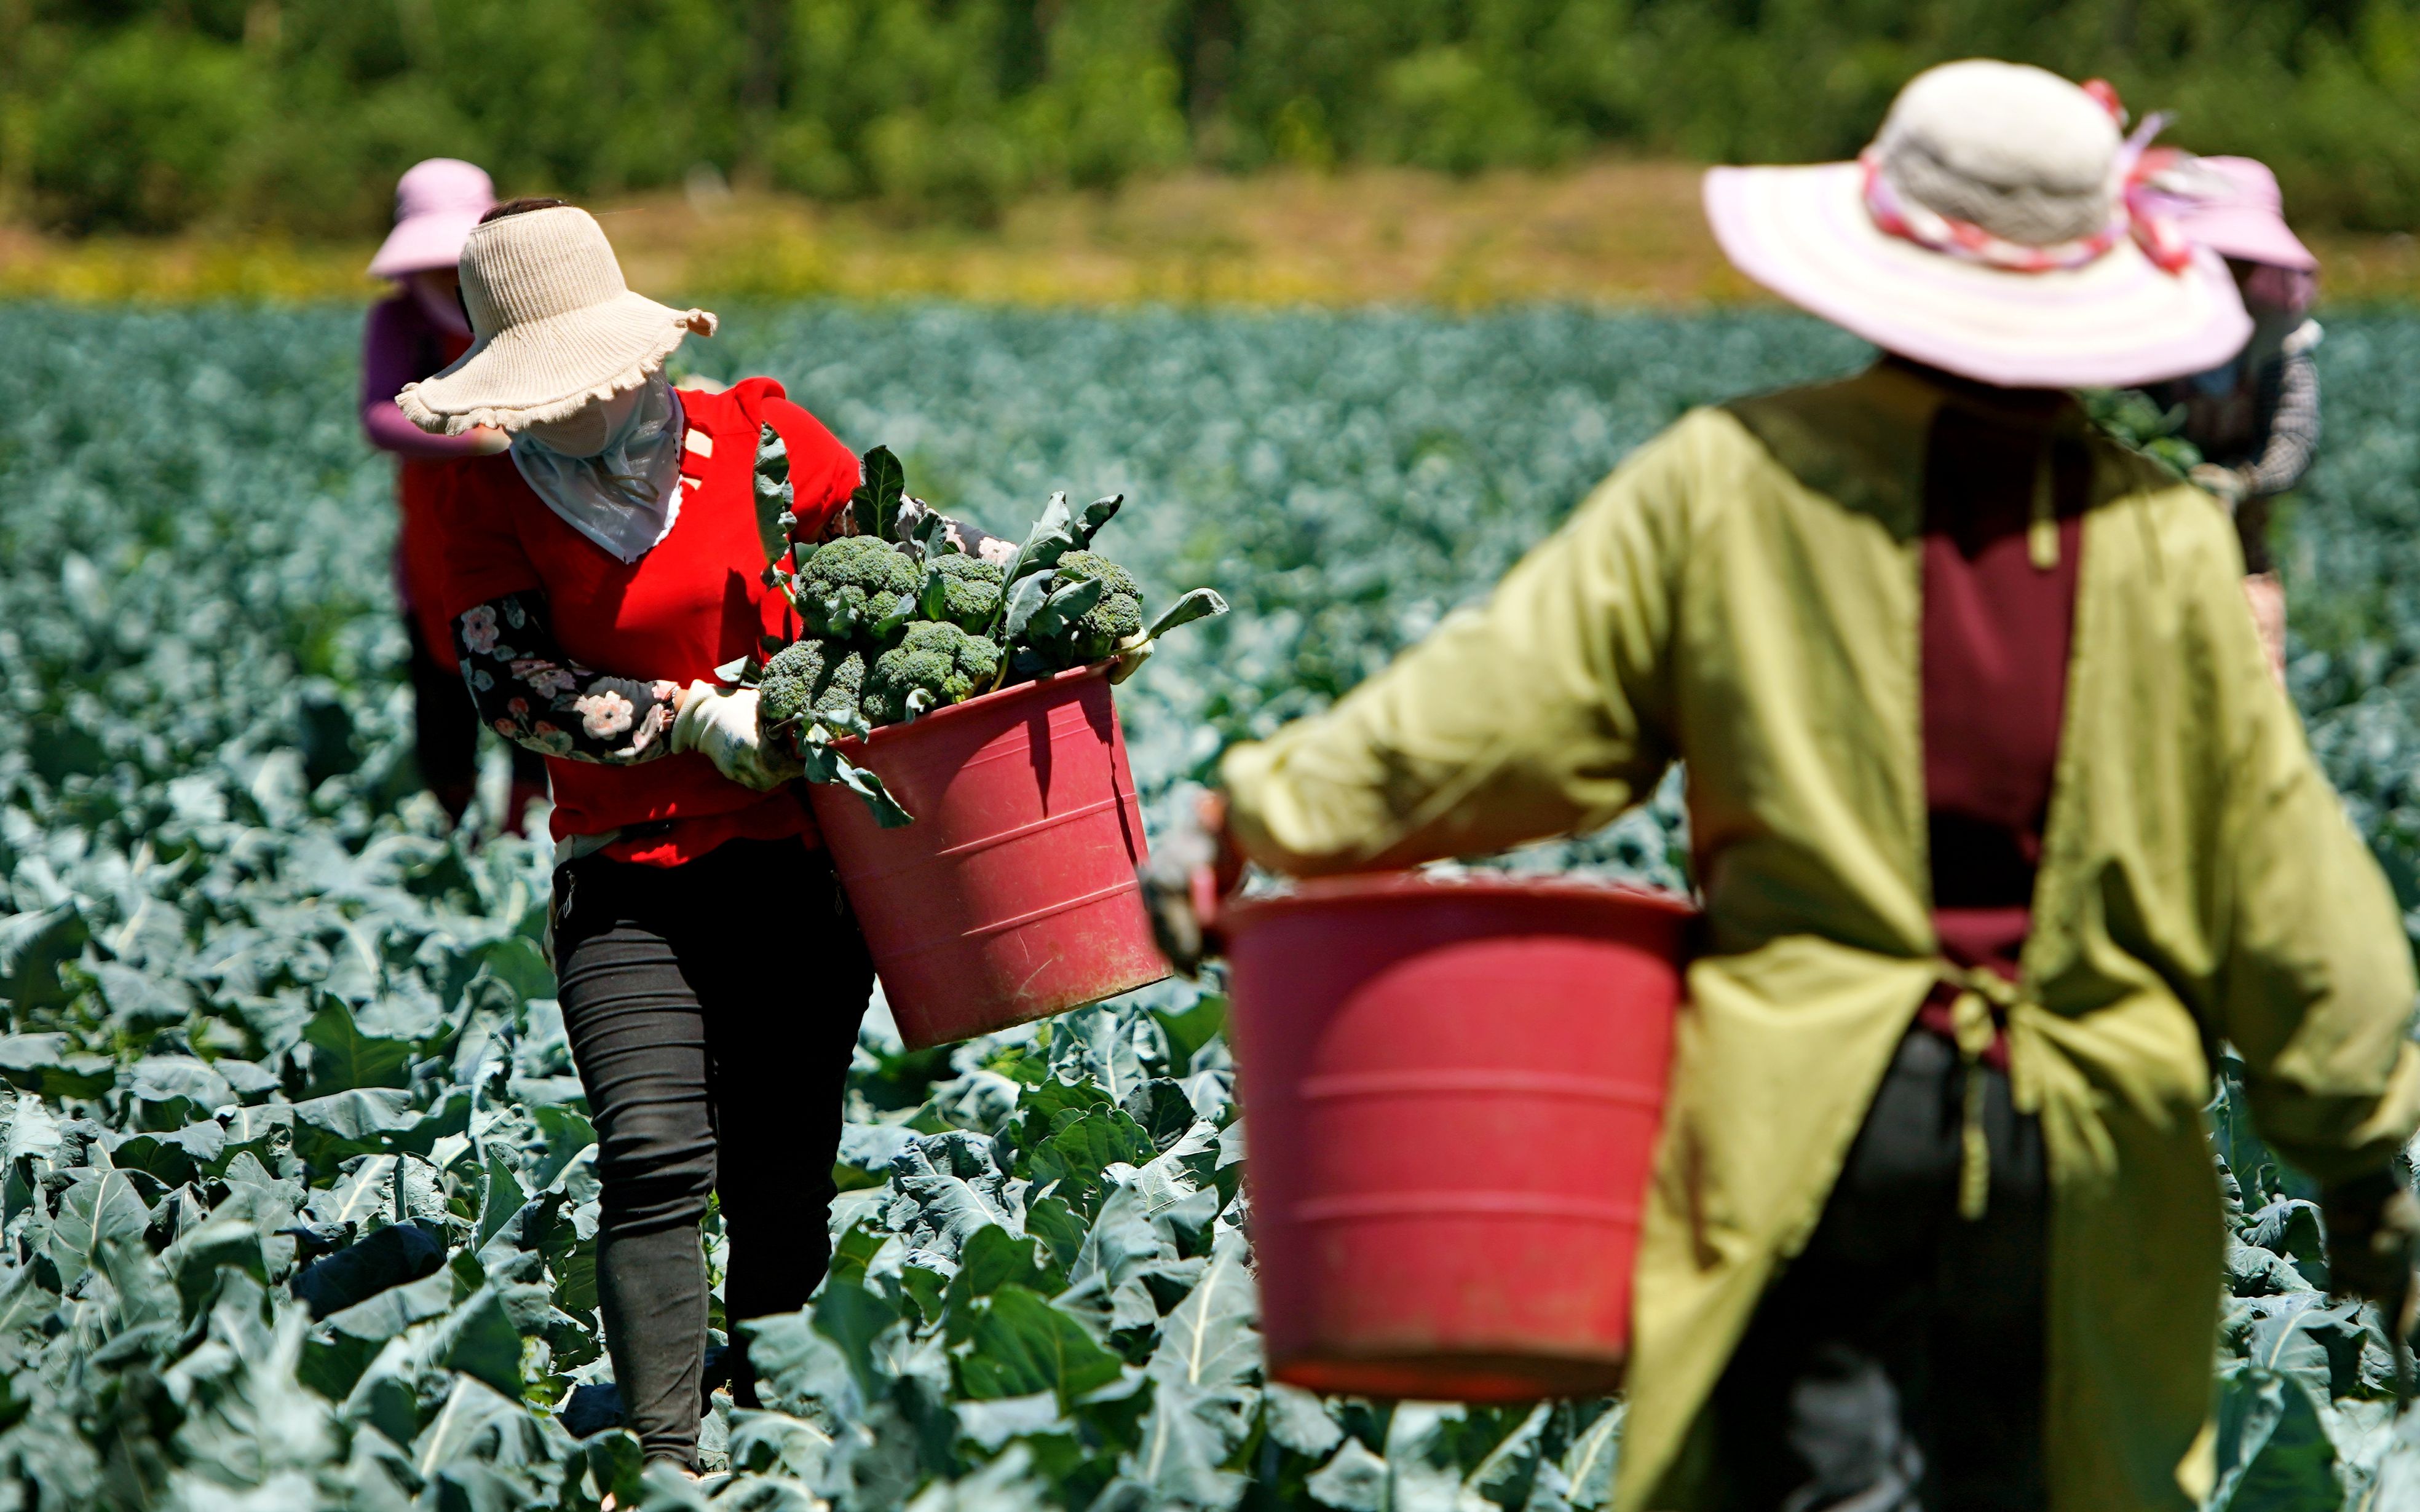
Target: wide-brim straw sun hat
[437,202]
[1997,229]
[553,325]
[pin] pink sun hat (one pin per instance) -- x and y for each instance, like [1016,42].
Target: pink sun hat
[437,202]
[2232,205]
[1997,228]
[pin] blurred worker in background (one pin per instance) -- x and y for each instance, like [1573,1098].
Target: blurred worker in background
[2255,417]
[2000,822]
[411,335]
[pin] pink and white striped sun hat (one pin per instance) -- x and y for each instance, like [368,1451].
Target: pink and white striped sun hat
[1998,229]
[437,202]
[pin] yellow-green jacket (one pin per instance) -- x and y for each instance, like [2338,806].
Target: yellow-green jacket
[1743,595]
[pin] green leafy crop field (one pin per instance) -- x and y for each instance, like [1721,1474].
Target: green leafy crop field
[298,1191]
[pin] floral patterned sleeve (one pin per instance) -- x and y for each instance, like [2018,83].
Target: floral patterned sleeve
[531,693]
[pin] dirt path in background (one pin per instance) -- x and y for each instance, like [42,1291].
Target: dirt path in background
[1611,233]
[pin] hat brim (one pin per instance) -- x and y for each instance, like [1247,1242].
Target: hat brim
[546,370]
[2249,235]
[2120,320]
[421,242]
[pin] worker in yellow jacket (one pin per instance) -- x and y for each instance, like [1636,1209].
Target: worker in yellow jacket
[2001,823]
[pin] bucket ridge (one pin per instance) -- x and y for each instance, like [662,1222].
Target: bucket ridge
[1447,1080]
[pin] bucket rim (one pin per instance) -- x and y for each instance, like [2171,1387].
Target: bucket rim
[891,734]
[1382,887]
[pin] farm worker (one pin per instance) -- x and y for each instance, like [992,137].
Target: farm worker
[2256,416]
[596,575]
[2001,823]
[411,335]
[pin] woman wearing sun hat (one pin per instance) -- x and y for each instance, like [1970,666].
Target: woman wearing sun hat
[596,575]
[411,335]
[2256,416]
[2000,823]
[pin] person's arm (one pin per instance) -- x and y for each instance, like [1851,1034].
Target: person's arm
[2313,982]
[390,356]
[1543,712]
[530,691]
[2293,427]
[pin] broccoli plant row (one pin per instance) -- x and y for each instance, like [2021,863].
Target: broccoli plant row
[900,620]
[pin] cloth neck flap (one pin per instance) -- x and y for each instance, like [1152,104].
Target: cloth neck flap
[625,497]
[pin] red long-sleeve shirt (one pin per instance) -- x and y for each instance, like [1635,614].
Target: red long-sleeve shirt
[695,600]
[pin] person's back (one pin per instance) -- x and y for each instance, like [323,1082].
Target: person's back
[1999,820]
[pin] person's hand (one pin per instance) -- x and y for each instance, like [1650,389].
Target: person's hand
[1132,653]
[2373,1223]
[723,726]
[2228,485]
[487,441]
[1183,880]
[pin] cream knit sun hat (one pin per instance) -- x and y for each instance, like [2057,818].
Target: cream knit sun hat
[554,326]
[1998,229]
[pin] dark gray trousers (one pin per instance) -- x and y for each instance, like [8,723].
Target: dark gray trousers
[712,1010]
[1895,1366]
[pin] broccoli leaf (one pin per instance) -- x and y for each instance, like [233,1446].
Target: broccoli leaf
[1064,607]
[876,498]
[1020,603]
[1052,538]
[898,619]
[1201,604]
[1096,513]
[826,765]
[847,723]
[933,595]
[828,615]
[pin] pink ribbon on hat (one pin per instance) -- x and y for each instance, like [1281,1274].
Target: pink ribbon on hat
[2138,213]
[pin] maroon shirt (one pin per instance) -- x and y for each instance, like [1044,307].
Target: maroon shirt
[1996,632]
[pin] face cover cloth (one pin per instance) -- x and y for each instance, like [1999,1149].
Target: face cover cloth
[613,471]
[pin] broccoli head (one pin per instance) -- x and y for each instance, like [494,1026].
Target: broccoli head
[850,583]
[971,590]
[1082,566]
[936,656]
[810,679]
[1101,629]
[1098,631]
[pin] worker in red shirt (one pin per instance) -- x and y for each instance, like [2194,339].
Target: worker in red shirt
[597,575]
[412,334]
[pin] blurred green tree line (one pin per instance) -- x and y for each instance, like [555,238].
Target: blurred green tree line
[296,115]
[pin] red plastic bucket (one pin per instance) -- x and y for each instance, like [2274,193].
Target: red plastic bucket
[1012,896]
[1453,1091]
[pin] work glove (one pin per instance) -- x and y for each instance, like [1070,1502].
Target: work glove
[2228,485]
[1184,878]
[2373,1223]
[1132,653]
[723,726]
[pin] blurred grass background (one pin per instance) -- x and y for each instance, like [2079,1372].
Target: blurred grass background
[1460,151]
